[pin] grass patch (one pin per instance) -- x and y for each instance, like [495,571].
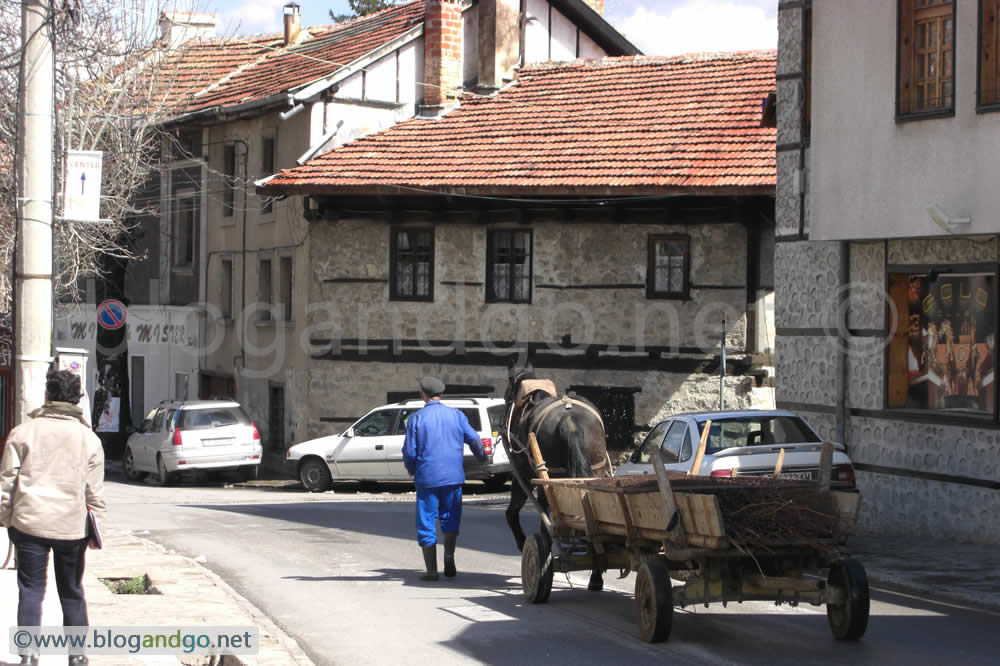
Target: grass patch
[135,585]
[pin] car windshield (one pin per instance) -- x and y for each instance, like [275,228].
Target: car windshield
[212,417]
[729,432]
[497,414]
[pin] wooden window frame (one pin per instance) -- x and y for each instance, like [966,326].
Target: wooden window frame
[394,294]
[651,291]
[905,45]
[490,246]
[953,417]
[184,201]
[988,47]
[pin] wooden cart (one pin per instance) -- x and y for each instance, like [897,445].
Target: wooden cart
[676,528]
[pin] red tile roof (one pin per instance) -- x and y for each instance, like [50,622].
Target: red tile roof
[613,125]
[328,51]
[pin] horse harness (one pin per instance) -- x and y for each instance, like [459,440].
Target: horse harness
[566,403]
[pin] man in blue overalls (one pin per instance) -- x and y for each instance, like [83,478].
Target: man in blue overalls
[432,452]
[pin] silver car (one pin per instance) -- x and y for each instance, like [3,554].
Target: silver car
[193,435]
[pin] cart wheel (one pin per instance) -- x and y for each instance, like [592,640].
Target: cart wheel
[849,620]
[536,569]
[654,602]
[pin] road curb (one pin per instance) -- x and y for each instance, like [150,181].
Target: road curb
[263,622]
[892,583]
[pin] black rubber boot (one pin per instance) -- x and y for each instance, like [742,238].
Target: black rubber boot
[430,562]
[450,538]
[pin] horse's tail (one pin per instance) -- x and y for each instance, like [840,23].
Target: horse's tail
[573,434]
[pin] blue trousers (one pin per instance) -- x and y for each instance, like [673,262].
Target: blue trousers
[32,566]
[444,503]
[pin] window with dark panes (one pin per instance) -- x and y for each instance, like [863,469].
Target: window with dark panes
[926,56]
[508,266]
[228,180]
[226,289]
[989,50]
[285,288]
[264,291]
[267,169]
[942,355]
[668,266]
[412,270]
[184,215]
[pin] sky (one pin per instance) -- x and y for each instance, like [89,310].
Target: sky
[657,27]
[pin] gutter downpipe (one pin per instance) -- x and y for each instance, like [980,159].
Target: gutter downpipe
[844,338]
[242,356]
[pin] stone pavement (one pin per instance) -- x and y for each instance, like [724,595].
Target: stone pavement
[189,595]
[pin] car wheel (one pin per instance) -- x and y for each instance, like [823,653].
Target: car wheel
[496,483]
[163,477]
[315,475]
[128,465]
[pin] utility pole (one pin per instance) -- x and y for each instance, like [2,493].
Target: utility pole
[33,260]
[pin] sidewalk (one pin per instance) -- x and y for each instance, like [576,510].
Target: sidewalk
[190,595]
[961,573]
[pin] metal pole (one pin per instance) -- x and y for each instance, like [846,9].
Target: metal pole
[722,369]
[33,260]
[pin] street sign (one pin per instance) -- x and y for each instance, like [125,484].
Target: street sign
[111,314]
[82,187]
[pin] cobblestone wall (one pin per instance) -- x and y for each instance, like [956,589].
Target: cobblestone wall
[348,389]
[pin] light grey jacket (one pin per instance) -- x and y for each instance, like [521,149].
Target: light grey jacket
[52,470]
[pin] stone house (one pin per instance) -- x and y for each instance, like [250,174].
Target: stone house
[887,254]
[229,263]
[599,218]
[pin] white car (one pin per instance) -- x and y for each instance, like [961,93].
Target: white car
[372,448]
[193,435]
[740,443]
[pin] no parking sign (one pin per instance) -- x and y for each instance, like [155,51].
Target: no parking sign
[111,314]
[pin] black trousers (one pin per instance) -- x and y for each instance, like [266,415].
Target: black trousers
[32,574]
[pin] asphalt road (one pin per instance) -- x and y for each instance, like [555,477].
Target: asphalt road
[338,572]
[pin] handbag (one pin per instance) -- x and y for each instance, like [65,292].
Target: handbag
[94,538]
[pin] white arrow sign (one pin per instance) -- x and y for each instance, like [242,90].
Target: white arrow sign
[82,189]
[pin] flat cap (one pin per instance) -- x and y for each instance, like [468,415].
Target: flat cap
[431,385]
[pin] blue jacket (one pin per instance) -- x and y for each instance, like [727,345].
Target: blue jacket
[433,448]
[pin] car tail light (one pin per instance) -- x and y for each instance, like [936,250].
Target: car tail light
[488,446]
[288,453]
[177,437]
[256,433]
[721,472]
[845,474]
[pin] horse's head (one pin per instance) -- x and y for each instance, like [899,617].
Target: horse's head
[514,377]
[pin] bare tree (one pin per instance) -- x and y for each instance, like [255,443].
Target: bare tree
[112,80]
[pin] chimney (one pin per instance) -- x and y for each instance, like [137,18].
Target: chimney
[499,42]
[442,51]
[596,5]
[179,27]
[293,24]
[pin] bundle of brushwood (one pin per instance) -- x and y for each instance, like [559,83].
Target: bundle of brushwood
[756,511]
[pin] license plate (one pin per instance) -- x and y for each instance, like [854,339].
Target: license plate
[801,476]
[221,441]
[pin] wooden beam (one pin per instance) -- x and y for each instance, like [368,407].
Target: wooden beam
[696,466]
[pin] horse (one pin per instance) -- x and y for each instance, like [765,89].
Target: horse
[570,436]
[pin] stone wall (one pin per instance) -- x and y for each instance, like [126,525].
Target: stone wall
[350,289]
[343,390]
[916,476]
